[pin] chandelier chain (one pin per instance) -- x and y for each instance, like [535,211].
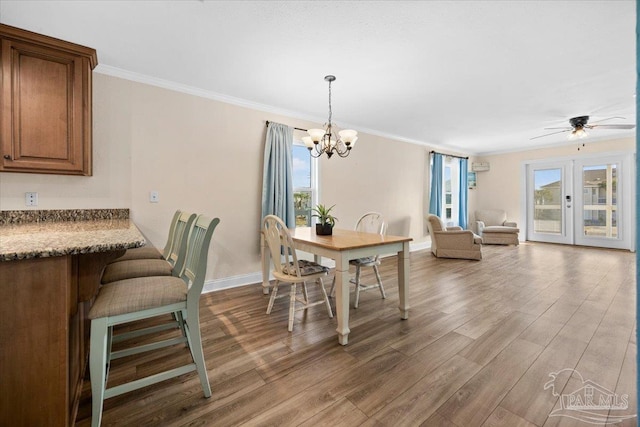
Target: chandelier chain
[330,112]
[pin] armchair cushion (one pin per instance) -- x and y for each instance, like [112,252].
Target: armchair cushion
[500,229]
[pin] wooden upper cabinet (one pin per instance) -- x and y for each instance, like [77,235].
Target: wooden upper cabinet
[45,94]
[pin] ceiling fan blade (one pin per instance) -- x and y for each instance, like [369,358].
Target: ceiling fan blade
[549,134]
[608,118]
[613,126]
[564,128]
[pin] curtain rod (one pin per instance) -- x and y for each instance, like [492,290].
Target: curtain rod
[449,155]
[303,130]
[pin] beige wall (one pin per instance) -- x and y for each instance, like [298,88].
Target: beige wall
[501,187]
[382,176]
[206,156]
[109,187]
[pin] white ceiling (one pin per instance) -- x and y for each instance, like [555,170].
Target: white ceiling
[471,76]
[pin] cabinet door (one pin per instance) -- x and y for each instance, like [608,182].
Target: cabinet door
[46,118]
[34,350]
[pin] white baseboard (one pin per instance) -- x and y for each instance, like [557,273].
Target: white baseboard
[253,278]
[232,282]
[419,246]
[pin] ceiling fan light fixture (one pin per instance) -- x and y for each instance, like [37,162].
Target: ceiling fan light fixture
[578,133]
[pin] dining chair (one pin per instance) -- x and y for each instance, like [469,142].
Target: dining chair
[289,269]
[151,252]
[172,265]
[135,299]
[370,222]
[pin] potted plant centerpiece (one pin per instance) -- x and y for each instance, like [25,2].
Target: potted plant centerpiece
[326,221]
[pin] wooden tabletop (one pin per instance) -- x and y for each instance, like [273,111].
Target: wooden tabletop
[344,239]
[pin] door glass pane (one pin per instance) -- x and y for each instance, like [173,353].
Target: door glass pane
[600,200]
[547,217]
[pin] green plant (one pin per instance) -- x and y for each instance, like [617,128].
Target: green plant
[323,215]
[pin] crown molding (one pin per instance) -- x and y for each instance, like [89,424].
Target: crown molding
[192,90]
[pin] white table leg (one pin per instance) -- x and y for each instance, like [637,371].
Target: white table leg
[403,280]
[266,260]
[342,297]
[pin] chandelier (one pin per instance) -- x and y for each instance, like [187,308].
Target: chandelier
[324,141]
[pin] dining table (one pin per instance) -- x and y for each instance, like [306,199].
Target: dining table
[343,246]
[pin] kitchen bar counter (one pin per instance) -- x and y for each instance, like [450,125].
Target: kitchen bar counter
[50,268]
[47,239]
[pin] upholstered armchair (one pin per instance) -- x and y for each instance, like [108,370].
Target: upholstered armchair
[453,242]
[494,228]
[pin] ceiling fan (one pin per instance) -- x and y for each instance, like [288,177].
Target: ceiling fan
[579,125]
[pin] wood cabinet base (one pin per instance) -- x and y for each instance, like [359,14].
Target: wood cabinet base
[43,337]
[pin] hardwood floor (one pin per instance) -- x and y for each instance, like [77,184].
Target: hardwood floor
[481,340]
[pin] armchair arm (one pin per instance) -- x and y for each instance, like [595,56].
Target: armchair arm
[462,239]
[454,228]
[480,225]
[510,224]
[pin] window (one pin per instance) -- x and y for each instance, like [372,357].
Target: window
[305,190]
[451,190]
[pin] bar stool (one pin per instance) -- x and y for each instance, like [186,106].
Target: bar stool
[135,299]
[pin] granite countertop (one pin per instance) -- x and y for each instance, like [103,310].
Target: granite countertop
[46,239]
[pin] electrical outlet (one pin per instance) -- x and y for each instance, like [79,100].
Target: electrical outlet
[154,197]
[31,199]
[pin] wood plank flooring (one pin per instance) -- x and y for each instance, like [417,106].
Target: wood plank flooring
[481,340]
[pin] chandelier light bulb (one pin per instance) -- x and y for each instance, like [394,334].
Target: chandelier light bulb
[316,134]
[348,135]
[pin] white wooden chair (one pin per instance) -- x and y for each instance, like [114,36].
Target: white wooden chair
[171,264]
[288,269]
[371,222]
[150,252]
[141,298]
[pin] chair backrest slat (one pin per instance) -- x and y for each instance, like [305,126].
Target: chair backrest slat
[166,252]
[372,222]
[179,248]
[280,243]
[195,266]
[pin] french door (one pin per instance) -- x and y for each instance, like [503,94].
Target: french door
[587,201]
